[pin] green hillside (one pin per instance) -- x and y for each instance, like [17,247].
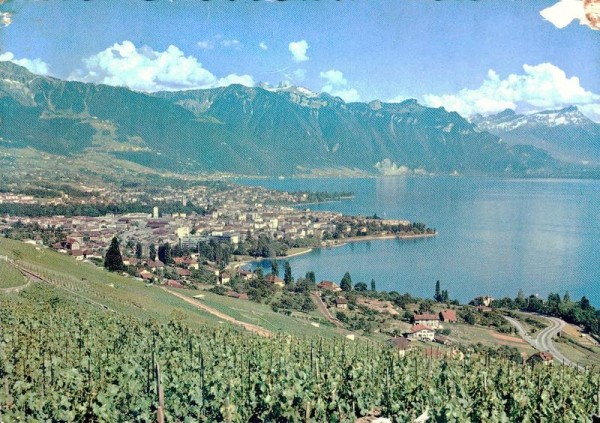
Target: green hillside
[85,347]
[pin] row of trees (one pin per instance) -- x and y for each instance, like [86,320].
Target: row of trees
[577,312]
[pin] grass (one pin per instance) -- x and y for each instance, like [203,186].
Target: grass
[299,324]
[579,349]
[530,322]
[9,276]
[124,294]
[470,335]
[86,281]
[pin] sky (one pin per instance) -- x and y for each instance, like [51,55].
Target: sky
[468,56]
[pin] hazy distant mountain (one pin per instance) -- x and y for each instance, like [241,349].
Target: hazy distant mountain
[565,133]
[238,129]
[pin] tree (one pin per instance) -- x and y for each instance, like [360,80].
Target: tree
[360,287]
[311,277]
[113,260]
[567,297]
[346,283]
[373,285]
[287,274]
[138,250]
[164,253]
[584,303]
[152,252]
[437,296]
[470,318]
[275,267]
[445,296]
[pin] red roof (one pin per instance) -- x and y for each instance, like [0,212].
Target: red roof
[328,285]
[449,316]
[418,328]
[183,272]
[274,279]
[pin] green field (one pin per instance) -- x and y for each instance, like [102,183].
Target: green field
[65,360]
[299,324]
[87,283]
[9,276]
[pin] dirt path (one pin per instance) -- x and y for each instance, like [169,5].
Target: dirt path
[220,315]
[15,289]
[324,310]
[33,277]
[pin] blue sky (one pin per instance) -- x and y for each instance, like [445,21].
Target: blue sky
[469,56]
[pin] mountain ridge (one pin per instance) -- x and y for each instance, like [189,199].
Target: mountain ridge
[249,130]
[566,133]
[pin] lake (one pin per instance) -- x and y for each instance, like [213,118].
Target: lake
[495,235]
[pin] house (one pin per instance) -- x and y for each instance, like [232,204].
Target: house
[183,273]
[224,278]
[341,302]
[233,294]
[275,280]
[429,320]
[145,275]
[401,344]
[448,316]
[329,286]
[246,275]
[544,357]
[485,300]
[128,261]
[421,333]
[155,265]
[441,339]
[174,284]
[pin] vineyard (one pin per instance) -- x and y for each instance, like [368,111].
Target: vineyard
[64,361]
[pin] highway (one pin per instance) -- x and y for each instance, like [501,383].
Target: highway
[543,340]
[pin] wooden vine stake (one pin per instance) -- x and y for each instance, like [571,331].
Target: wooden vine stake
[160,413]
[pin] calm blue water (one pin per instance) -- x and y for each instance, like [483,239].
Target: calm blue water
[495,235]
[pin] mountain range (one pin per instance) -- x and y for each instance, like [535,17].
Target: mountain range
[567,134]
[252,131]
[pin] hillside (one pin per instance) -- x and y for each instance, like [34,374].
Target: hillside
[64,358]
[247,130]
[566,133]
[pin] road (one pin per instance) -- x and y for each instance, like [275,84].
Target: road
[222,316]
[324,310]
[543,340]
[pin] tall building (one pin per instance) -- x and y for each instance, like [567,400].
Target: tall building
[184,201]
[155,212]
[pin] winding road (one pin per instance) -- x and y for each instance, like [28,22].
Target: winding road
[543,340]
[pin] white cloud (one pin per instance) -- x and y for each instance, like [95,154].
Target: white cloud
[348,95]
[564,12]
[206,45]
[145,69]
[231,43]
[592,111]
[36,66]
[334,77]
[542,86]
[298,50]
[263,45]
[336,85]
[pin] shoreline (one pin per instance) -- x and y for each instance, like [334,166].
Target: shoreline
[345,241]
